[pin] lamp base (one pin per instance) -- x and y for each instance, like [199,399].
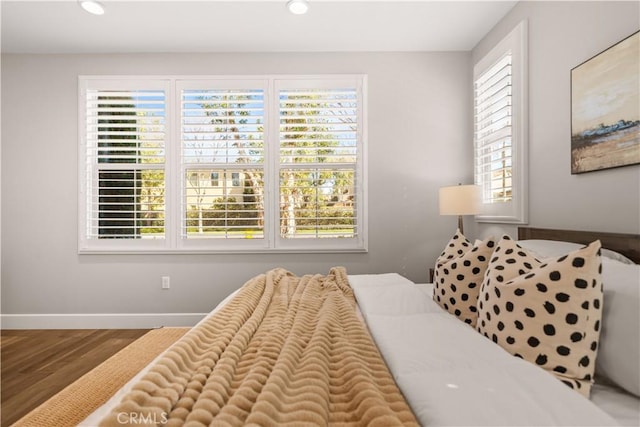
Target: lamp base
[460,225]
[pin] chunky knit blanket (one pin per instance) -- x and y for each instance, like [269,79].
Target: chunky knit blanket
[285,351]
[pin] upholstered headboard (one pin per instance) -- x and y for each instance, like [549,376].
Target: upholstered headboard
[626,244]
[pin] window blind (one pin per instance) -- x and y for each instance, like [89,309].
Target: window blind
[318,133]
[493,131]
[125,156]
[222,163]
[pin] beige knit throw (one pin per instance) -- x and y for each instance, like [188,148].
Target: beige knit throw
[285,350]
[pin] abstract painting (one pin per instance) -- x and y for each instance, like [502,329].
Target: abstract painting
[605,108]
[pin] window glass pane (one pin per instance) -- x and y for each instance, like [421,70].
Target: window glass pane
[318,126]
[225,210]
[317,203]
[126,126]
[493,131]
[223,126]
[130,204]
[125,149]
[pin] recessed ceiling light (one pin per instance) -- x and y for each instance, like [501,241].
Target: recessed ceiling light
[298,7]
[92,7]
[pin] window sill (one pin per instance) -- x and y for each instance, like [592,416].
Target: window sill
[218,252]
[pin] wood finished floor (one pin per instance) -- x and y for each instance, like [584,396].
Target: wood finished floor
[36,364]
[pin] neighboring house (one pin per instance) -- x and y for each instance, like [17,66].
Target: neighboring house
[203,187]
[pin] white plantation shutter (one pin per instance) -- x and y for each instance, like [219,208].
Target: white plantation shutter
[124,134]
[320,161]
[222,164]
[319,126]
[222,161]
[500,124]
[493,131]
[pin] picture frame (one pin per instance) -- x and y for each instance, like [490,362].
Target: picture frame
[605,108]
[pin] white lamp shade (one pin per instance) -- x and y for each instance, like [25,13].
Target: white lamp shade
[460,200]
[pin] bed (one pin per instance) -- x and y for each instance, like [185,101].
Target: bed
[446,372]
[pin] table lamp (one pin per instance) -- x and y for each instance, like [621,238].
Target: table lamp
[460,200]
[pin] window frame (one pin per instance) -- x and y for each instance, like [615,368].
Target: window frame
[340,244]
[85,196]
[173,241]
[213,245]
[514,211]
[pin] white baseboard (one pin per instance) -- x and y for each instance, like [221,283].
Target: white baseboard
[99,321]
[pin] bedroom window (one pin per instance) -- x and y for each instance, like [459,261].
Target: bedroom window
[318,161]
[500,129]
[124,184]
[222,164]
[222,133]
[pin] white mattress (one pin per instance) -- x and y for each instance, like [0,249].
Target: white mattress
[451,375]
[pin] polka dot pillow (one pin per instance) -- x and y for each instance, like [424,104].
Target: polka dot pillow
[457,246]
[458,276]
[546,313]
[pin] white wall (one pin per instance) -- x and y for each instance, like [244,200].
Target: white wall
[420,131]
[419,140]
[562,35]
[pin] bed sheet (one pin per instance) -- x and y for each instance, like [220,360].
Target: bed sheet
[443,365]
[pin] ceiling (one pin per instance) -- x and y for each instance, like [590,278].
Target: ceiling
[247,26]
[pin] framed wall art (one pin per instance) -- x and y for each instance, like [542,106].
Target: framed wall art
[605,108]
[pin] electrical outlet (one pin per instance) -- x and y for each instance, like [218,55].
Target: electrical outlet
[166,282]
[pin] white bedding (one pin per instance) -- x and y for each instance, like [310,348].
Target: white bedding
[623,406]
[450,374]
